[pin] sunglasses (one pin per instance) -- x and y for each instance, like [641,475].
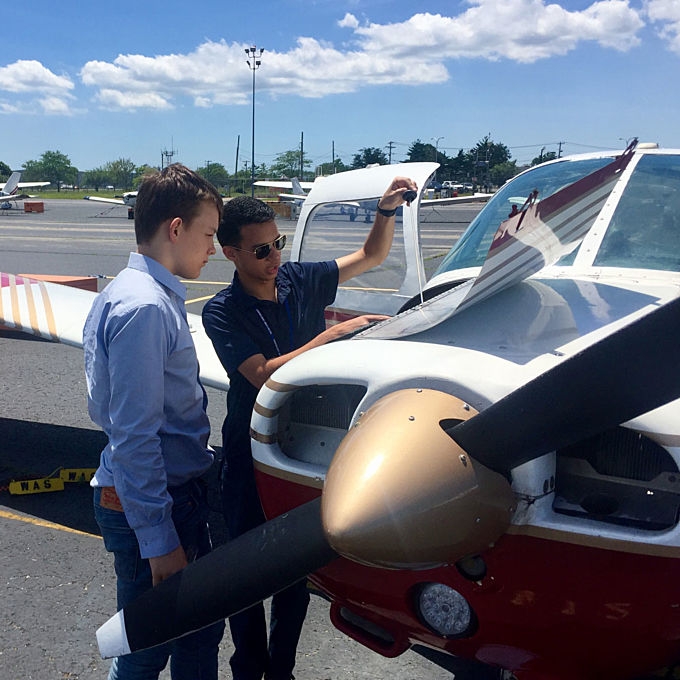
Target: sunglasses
[262,251]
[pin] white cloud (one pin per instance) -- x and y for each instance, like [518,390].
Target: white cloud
[407,53]
[348,21]
[216,74]
[51,92]
[667,14]
[55,106]
[520,30]
[6,107]
[31,76]
[117,99]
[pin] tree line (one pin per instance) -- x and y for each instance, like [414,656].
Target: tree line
[488,162]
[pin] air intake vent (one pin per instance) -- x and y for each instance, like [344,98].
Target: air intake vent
[326,405]
[313,422]
[620,477]
[620,452]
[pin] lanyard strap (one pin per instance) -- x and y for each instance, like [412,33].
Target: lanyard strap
[271,333]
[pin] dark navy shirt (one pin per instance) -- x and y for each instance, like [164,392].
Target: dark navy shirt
[241,326]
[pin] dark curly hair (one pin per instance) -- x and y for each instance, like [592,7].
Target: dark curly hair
[237,213]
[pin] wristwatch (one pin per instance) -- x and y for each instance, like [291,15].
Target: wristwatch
[386,213]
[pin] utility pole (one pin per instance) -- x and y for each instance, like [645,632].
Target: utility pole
[559,150]
[238,144]
[302,154]
[333,156]
[436,144]
[390,146]
[253,61]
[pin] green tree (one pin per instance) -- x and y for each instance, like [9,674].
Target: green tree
[54,167]
[419,152]
[5,170]
[287,164]
[368,156]
[141,172]
[33,171]
[499,174]
[215,173]
[99,177]
[121,172]
[484,156]
[488,153]
[459,168]
[331,168]
[543,157]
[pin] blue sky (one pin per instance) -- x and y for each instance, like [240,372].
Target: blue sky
[100,81]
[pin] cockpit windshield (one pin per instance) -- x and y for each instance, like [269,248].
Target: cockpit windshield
[471,249]
[644,231]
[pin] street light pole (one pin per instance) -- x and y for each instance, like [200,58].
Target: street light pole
[436,144]
[254,61]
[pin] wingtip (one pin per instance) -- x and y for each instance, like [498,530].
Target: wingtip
[112,638]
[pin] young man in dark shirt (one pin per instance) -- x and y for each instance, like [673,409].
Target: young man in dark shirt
[270,314]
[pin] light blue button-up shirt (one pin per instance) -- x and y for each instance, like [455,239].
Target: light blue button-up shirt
[143,391]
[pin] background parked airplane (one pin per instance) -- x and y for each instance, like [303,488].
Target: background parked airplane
[10,190]
[129,198]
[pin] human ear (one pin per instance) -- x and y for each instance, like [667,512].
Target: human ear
[174,228]
[229,252]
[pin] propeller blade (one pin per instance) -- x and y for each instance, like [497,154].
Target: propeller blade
[630,372]
[231,578]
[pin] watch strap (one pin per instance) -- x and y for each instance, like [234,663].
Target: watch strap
[386,213]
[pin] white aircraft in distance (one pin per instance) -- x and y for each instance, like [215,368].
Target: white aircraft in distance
[129,198]
[9,191]
[300,195]
[491,477]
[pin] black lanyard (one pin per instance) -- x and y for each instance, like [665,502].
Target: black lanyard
[271,334]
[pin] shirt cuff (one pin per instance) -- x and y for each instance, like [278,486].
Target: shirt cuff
[157,540]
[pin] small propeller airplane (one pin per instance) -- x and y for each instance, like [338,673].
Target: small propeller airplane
[129,198]
[9,191]
[491,476]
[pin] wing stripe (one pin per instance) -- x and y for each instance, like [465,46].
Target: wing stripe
[51,324]
[13,296]
[30,302]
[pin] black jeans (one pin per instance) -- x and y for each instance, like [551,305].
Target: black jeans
[253,655]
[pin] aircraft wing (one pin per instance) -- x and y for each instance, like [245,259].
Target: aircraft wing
[101,199]
[292,197]
[57,312]
[281,184]
[14,197]
[26,185]
[472,198]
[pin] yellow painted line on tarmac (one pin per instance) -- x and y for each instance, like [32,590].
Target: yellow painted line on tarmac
[205,297]
[210,283]
[43,523]
[191,281]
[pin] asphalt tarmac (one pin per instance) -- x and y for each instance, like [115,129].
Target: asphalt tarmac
[56,579]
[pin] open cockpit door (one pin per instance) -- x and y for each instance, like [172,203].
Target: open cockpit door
[335,220]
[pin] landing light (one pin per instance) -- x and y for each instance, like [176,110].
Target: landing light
[444,609]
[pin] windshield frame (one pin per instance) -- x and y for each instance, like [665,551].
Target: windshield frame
[582,259]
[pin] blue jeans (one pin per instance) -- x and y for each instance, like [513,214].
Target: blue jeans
[252,656]
[194,656]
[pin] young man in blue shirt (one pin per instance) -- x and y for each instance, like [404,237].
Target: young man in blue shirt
[270,314]
[144,392]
